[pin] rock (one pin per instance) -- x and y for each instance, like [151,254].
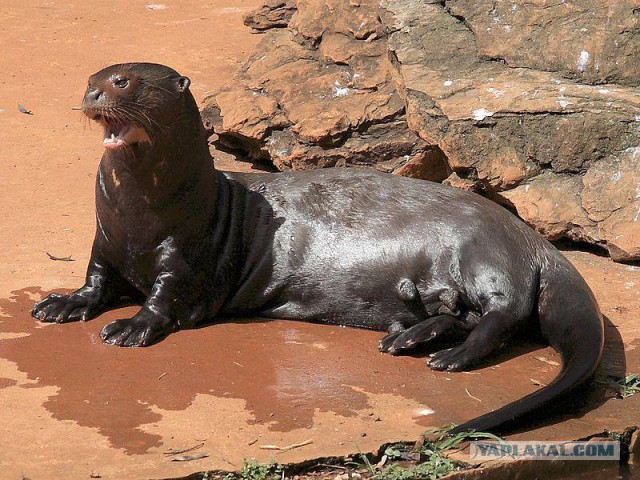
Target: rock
[602,207]
[551,203]
[316,18]
[611,197]
[506,124]
[454,180]
[391,146]
[594,42]
[320,94]
[429,165]
[475,94]
[273,14]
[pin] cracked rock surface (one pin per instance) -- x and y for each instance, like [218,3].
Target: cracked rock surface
[534,104]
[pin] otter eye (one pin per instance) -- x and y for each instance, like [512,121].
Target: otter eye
[121,82]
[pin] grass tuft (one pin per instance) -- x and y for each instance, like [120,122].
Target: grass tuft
[628,386]
[257,471]
[430,455]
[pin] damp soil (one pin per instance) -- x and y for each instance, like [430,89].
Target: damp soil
[283,371]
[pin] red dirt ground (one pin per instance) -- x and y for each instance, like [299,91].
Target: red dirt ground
[71,407]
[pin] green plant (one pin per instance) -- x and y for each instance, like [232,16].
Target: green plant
[393,453]
[432,469]
[433,463]
[445,441]
[257,471]
[628,386]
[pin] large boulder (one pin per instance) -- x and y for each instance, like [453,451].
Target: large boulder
[534,104]
[320,94]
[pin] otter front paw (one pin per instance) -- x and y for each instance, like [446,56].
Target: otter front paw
[142,330]
[66,308]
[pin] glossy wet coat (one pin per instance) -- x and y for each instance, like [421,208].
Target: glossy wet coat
[351,247]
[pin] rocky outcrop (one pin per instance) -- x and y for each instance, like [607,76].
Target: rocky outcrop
[545,142]
[273,14]
[602,204]
[321,94]
[534,104]
[585,40]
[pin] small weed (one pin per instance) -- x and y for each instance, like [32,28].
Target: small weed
[628,386]
[432,461]
[443,441]
[393,453]
[432,469]
[257,471]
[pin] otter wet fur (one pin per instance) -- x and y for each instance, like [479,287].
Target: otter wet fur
[353,247]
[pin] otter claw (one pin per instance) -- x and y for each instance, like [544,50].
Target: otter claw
[141,330]
[66,308]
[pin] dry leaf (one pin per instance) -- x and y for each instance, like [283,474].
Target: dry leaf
[188,458]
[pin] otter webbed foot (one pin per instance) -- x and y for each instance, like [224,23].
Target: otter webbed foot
[489,335]
[142,330]
[67,308]
[435,328]
[387,342]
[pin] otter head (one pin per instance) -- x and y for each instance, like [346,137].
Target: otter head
[136,103]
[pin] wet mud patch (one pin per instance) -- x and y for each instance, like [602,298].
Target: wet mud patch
[284,372]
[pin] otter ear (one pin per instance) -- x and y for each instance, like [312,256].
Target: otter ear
[183,84]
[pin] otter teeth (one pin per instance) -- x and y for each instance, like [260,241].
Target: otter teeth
[113,141]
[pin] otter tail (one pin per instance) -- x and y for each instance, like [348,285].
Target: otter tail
[572,324]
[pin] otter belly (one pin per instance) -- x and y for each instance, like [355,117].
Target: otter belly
[350,239]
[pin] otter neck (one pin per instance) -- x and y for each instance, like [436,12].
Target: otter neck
[157,171]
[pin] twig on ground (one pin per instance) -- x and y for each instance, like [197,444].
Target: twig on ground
[475,398]
[177,452]
[60,259]
[287,448]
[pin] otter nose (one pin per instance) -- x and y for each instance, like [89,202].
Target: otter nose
[94,95]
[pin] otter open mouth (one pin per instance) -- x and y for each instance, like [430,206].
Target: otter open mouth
[119,134]
[114,132]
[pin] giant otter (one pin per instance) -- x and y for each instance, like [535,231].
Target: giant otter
[345,246]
